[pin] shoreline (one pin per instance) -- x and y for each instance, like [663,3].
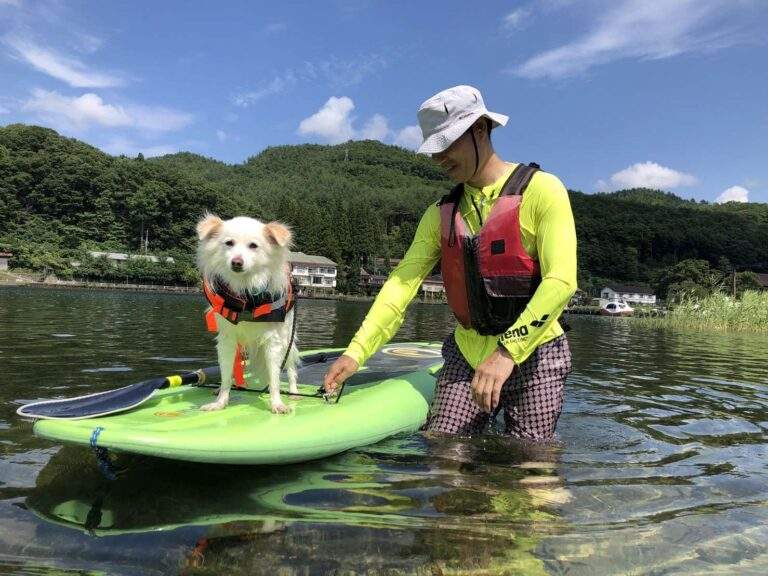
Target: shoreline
[25,281]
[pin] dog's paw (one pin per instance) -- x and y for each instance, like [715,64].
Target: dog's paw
[280,408]
[213,406]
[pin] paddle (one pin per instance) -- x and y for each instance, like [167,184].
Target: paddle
[127,397]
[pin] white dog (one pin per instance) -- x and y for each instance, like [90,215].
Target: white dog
[246,275]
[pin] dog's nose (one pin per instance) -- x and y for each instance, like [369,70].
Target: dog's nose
[236,263]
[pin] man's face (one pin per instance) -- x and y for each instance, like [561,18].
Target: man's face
[459,158]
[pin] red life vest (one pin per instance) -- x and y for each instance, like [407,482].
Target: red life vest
[249,307]
[489,277]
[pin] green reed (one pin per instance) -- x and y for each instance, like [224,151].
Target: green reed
[718,312]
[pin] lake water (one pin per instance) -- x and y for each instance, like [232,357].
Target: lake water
[661,465]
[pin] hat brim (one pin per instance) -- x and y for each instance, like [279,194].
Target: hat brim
[440,141]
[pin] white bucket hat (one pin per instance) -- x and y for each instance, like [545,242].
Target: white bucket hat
[448,114]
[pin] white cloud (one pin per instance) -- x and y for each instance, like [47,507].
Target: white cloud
[64,68]
[78,113]
[332,72]
[409,137]
[82,112]
[158,119]
[128,147]
[276,86]
[11,2]
[647,175]
[87,43]
[644,30]
[332,122]
[733,194]
[376,128]
[8,105]
[515,19]
[221,135]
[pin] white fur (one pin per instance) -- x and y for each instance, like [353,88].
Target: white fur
[264,267]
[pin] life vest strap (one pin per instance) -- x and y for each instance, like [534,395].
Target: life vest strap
[519,179]
[219,306]
[238,371]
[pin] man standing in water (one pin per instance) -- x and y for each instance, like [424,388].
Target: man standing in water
[507,242]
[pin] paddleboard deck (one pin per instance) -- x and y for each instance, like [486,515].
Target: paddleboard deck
[390,395]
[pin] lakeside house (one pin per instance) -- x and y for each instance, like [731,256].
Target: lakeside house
[119,258]
[432,289]
[371,283]
[629,293]
[4,257]
[313,273]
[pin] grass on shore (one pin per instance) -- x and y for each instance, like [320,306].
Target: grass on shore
[717,312]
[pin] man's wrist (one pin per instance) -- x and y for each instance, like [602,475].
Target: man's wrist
[503,350]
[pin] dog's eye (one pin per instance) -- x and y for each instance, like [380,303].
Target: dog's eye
[253,245]
[230,242]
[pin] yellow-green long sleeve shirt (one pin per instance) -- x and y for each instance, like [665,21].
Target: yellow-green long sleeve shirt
[548,235]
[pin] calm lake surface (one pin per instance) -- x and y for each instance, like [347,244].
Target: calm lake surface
[661,465]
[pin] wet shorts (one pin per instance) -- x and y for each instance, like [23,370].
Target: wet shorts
[531,399]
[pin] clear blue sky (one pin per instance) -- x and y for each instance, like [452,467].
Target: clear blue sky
[605,94]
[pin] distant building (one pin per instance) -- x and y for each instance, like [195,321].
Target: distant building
[579,298]
[629,293]
[313,273]
[762,278]
[433,288]
[381,262]
[119,259]
[4,257]
[371,283]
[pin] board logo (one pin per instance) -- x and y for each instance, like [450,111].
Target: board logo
[408,352]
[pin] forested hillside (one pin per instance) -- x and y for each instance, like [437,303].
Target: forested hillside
[351,202]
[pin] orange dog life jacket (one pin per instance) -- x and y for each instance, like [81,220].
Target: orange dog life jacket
[243,307]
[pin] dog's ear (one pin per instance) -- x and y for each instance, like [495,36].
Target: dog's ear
[278,234]
[208,226]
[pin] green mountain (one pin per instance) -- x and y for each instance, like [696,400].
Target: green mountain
[351,202]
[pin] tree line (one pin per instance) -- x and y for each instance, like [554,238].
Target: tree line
[357,203]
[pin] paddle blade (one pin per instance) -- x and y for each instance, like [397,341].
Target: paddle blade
[111,401]
[93,405]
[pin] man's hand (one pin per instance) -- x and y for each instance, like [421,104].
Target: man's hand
[490,376]
[339,371]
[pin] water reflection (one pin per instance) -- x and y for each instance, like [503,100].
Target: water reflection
[660,466]
[447,502]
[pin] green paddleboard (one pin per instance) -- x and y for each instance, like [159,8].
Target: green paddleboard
[390,395]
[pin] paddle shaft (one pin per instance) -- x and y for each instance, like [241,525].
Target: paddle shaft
[202,375]
[128,397]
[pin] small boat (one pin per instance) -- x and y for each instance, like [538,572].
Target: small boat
[616,308]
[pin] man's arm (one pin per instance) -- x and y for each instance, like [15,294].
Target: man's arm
[388,310]
[556,247]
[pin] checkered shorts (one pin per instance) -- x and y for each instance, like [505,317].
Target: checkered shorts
[531,399]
